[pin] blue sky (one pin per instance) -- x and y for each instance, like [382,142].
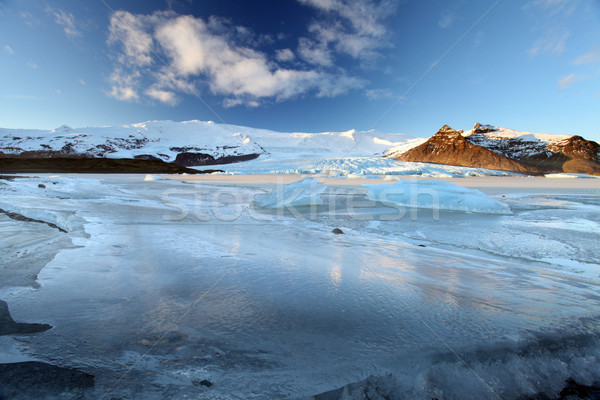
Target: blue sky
[406,66]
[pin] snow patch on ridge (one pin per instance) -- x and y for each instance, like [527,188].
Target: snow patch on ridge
[496,132]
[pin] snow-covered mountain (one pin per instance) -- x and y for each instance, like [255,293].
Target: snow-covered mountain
[192,143]
[566,153]
[162,140]
[487,146]
[170,145]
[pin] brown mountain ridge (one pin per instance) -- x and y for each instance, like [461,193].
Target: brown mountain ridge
[485,147]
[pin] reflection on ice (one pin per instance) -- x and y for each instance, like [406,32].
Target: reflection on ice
[268,305]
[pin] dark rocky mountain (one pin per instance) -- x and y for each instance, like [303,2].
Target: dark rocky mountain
[450,147]
[550,153]
[492,147]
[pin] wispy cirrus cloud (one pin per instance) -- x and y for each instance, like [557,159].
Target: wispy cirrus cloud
[29,18]
[163,55]
[554,7]
[66,20]
[553,41]
[591,57]
[377,94]
[346,27]
[447,20]
[569,80]
[9,49]
[550,21]
[586,69]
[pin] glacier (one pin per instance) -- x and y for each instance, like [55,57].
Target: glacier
[163,284]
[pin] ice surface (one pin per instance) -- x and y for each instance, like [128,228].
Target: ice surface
[175,283]
[438,195]
[304,193]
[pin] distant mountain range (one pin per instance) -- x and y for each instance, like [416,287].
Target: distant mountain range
[165,146]
[177,145]
[492,147]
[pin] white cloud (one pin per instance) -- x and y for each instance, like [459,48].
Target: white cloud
[8,49]
[164,96]
[189,45]
[129,30]
[284,55]
[446,20]
[167,78]
[124,93]
[124,85]
[66,20]
[314,52]
[31,65]
[194,52]
[591,57]
[81,81]
[353,28]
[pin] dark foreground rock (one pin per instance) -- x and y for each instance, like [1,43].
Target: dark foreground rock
[387,388]
[372,388]
[38,380]
[8,326]
[92,165]
[571,391]
[192,159]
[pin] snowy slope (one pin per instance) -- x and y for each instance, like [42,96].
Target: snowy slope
[514,144]
[199,143]
[497,132]
[166,139]
[160,139]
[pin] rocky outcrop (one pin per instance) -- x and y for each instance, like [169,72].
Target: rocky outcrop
[95,165]
[189,159]
[450,147]
[8,326]
[39,380]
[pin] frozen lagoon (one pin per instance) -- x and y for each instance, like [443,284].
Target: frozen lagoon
[173,282]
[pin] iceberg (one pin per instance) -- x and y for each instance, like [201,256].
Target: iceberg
[437,195]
